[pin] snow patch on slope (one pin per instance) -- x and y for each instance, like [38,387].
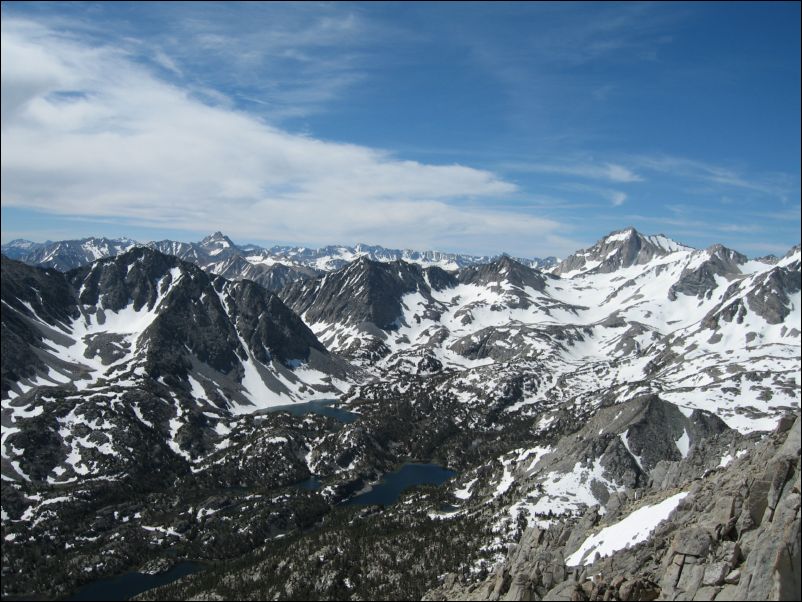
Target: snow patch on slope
[631,530]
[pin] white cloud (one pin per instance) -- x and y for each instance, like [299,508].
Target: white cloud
[89,131]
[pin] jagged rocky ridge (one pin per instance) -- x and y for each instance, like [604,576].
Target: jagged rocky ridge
[549,394]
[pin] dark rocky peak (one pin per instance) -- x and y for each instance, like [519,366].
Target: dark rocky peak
[659,430]
[726,255]
[138,276]
[627,233]
[217,242]
[216,237]
[630,439]
[770,259]
[503,269]
[199,314]
[792,258]
[232,266]
[377,274]
[150,311]
[30,294]
[628,238]
[699,280]
[363,291]
[619,249]
[266,324]
[768,294]
[771,297]
[439,279]
[30,289]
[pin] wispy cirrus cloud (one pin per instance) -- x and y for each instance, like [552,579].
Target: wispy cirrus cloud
[611,172]
[293,64]
[90,131]
[780,186]
[613,196]
[291,60]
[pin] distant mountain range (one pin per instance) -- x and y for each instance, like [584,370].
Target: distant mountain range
[273,268]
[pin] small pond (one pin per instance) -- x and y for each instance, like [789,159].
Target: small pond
[127,585]
[310,484]
[324,407]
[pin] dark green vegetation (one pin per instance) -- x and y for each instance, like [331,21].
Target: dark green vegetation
[381,553]
[369,555]
[246,498]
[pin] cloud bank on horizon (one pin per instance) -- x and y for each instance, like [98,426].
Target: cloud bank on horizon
[356,123]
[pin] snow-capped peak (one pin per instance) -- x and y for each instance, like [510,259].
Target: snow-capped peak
[619,249]
[217,239]
[620,235]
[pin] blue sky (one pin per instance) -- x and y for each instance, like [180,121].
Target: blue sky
[480,127]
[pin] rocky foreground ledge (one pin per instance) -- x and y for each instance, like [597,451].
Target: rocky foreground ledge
[734,535]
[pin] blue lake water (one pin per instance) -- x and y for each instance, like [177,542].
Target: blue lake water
[128,585]
[393,484]
[323,407]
